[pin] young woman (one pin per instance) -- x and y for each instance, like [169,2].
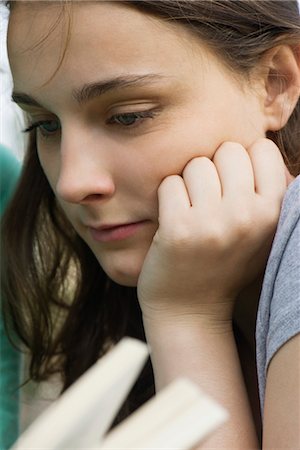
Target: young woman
[163,139]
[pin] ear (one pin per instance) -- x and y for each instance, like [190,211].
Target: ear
[281,85]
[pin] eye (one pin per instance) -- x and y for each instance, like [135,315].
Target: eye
[49,127]
[46,127]
[130,119]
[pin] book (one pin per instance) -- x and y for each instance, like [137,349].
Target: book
[178,417]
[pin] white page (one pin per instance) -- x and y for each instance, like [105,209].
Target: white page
[85,411]
[177,417]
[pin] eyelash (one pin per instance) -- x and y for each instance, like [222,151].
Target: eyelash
[37,125]
[139,115]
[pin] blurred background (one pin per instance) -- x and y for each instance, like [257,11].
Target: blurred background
[11,116]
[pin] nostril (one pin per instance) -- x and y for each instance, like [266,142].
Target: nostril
[82,186]
[93,197]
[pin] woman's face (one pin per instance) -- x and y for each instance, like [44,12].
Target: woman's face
[133,101]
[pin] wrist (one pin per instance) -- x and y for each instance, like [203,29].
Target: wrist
[211,318]
[187,347]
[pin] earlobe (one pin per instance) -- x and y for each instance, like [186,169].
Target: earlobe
[282,85]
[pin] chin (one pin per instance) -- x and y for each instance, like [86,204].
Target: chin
[123,274]
[123,266]
[124,279]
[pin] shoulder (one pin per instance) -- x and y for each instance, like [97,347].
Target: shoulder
[279,306]
[282,407]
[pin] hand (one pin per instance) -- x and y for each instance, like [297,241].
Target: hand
[216,226]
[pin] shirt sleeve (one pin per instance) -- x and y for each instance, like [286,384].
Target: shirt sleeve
[278,316]
[285,305]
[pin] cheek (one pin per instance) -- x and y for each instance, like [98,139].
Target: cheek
[171,149]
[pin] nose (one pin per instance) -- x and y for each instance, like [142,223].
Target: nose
[84,174]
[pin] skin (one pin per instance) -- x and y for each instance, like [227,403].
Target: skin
[200,175]
[107,174]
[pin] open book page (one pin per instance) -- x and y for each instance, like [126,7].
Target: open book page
[178,417]
[86,410]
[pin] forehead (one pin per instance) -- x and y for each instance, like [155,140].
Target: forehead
[102,36]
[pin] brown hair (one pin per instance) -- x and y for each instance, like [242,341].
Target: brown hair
[58,300]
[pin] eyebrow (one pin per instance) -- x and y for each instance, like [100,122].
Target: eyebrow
[24,99]
[91,90]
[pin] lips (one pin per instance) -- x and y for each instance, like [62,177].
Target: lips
[110,233]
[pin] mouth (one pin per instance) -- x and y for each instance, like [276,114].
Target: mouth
[111,233]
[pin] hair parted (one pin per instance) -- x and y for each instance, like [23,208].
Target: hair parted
[56,297]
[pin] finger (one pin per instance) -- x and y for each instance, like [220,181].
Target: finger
[235,169]
[173,199]
[269,169]
[202,182]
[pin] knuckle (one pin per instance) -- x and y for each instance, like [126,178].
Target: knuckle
[197,163]
[179,235]
[270,217]
[242,220]
[244,225]
[263,142]
[266,145]
[187,236]
[228,147]
[231,145]
[213,237]
[168,181]
[256,221]
[215,240]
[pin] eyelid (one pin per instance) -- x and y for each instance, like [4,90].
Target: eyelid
[33,125]
[140,115]
[134,111]
[129,105]
[36,124]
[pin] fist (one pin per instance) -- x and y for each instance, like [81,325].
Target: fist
[216,226]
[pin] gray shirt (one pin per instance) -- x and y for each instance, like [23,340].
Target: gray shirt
[278,318]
